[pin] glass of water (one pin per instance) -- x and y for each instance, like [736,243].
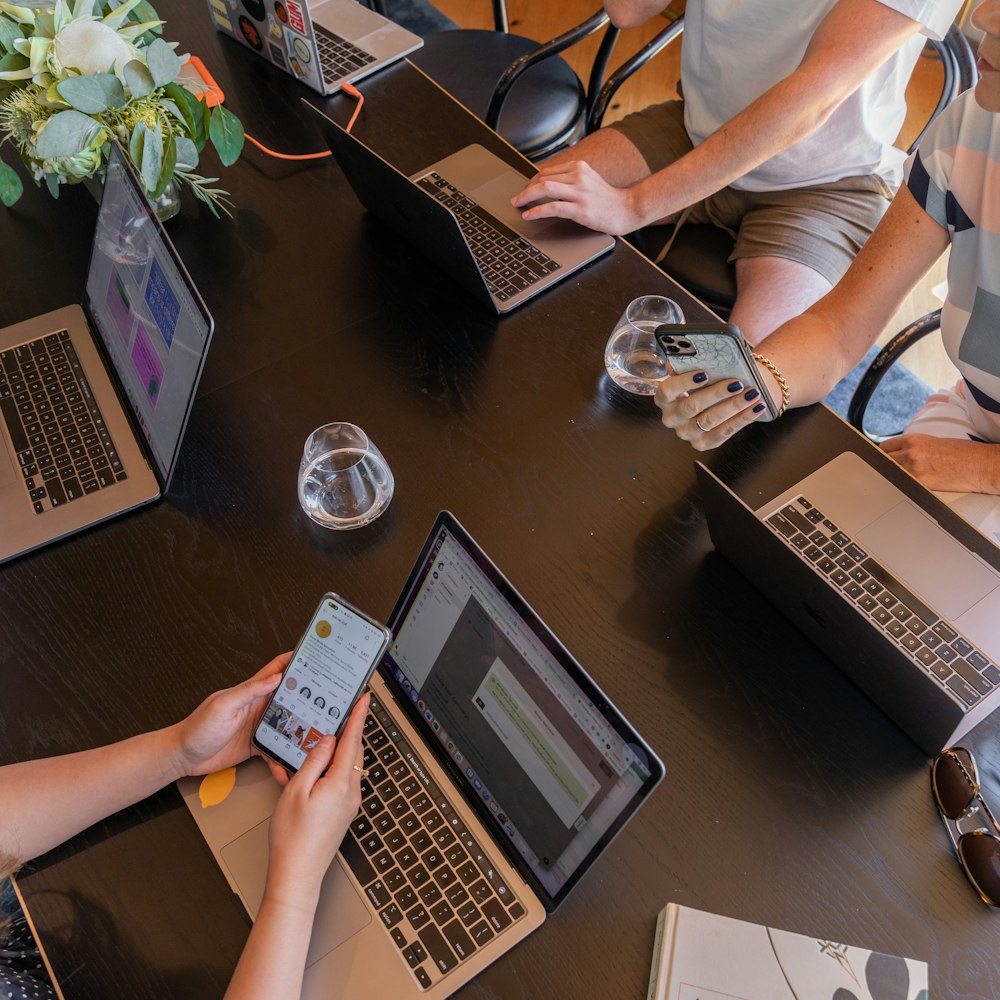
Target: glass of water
[344,482]
[632,357]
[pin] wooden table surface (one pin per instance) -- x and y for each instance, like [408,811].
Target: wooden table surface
[789,798]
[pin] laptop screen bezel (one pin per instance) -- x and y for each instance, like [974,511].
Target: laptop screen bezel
[128,172]
[446,520]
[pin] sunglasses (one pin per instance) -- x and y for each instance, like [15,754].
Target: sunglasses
[955,784]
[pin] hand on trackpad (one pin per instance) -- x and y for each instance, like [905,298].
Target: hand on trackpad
[495,195]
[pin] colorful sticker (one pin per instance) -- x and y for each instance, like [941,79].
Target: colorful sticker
[255,8]
[273,28]
[302,50]
[277,54]
[295,18]
[279,10]
[250,33]
[215,787]
[294,64]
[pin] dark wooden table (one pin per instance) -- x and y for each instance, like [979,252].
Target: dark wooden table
[789,798]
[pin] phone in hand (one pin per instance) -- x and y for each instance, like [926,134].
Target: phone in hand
[719,350]
[327,674]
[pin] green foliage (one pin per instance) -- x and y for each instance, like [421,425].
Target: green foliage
[139,79]
[66,134]
[92,94]
[11,187]
[227,135]
[163,64]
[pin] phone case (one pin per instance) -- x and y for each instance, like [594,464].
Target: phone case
[717,349]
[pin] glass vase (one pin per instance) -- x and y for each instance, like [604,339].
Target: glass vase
[166,206]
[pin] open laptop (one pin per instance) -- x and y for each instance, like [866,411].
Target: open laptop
[324,43]
[906,610]
[457,212]
[499,772]
[95,399]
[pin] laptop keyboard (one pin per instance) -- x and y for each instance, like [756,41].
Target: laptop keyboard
[435,890]
[928,640]
[62,443]
[338,57]
[509,263]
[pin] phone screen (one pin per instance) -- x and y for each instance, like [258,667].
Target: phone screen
[328,671]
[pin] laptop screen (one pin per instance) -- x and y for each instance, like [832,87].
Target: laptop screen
[150,318]
[545,758]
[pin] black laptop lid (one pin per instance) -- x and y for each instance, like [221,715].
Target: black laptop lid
[547,761]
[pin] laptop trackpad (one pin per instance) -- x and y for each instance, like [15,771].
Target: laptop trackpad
[495,196]
[928,560]
[340,914]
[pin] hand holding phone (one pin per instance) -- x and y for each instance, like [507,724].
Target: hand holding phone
[328,672]
[719,350]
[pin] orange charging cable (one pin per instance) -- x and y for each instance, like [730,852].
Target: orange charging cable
[348,89]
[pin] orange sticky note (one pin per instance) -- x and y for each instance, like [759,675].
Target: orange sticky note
[216,787]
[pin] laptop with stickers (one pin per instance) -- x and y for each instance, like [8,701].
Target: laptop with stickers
[498,773]
[322,44]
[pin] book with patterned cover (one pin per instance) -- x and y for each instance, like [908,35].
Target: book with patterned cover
[704,956]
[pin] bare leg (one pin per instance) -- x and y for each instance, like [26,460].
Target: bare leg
[613,156]
[772,290]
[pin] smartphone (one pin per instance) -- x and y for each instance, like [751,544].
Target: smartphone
[327,674]
[719,350]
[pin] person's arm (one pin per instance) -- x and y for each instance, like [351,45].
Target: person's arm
[307,827]
[632,13]
[45,802]
[815,350]
[849,44]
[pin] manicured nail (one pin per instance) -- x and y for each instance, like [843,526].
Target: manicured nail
[734,386]
[750,394]
[700,377]
[759,408]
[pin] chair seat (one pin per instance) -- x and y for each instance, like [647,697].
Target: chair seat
[544,109]
[698,261]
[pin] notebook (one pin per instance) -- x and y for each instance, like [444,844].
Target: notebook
[95,397]
[324,44]
[499,772]
[457,212]
[903,607]
[703,956]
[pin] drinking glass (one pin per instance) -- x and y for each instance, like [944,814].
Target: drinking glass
[344,482]
[632,357]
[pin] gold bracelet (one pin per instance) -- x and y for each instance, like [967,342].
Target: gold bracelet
[776,372]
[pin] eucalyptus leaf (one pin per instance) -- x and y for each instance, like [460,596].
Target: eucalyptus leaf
[167,169]
[52,183]
[162,62]
[226,131]
[174,110]
[139,79]
[92,94]
[136,143]
[66,134]
[9,32]
[187,154]
[14,61]
[152,158]
[11,187]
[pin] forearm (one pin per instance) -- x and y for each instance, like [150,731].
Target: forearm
[632,13]
[48,801]
[274,959]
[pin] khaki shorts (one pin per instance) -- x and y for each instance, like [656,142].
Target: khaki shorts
[823,226]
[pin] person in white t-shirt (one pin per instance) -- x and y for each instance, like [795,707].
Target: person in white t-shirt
[784,138]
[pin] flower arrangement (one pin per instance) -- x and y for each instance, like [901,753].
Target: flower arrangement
[72,77]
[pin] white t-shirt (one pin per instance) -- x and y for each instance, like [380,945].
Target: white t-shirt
[735,50]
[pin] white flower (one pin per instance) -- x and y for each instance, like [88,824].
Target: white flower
[90,47]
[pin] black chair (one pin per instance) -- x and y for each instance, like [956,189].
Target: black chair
[524,90]
[880,365]
[699,256]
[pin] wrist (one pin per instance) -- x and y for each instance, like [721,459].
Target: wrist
[170,751]
[294,884]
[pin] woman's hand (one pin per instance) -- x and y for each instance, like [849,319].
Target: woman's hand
[947,464]
[312,814]
[706,416]
[217,733]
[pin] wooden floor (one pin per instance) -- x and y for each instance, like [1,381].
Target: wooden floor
[657,81]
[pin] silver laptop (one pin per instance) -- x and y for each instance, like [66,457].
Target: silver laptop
[899,603]
[499,771]
[457,212]
[324,44]
[95,399]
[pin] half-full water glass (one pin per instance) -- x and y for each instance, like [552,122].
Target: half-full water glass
[633,359]
[344,482]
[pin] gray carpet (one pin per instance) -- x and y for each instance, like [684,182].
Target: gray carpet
[898,397]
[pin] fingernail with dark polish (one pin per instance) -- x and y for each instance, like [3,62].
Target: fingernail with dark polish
[759,408]
[750,394]
[734,386]
[700,377]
